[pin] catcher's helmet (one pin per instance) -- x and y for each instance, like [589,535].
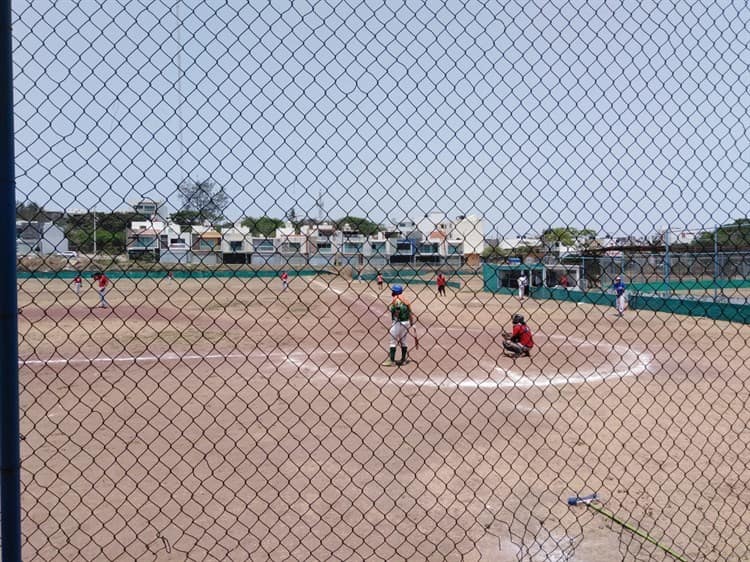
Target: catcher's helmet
[397,289]
[518,319]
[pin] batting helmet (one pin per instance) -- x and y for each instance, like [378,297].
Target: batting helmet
[518,319]
[397,289]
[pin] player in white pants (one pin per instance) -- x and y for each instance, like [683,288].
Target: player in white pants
[621,299]
[522,282]
[402,318]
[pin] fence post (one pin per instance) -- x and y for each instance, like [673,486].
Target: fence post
[716,263]
[10,453]
[667,291]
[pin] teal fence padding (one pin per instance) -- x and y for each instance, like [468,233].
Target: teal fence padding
[177,274]
[690,285]
[674,305]
[730,312]
[574,295]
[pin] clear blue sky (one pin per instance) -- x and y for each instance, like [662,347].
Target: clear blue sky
[621,117]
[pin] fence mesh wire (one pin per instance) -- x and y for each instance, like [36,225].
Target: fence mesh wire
[217,202]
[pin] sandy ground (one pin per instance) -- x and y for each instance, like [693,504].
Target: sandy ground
[231,420]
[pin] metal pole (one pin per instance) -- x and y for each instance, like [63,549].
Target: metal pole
[716,262]
[666,263]
[10,449]
[95,233]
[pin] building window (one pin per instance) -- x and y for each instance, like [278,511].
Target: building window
[350,248]
[145,241]
[235,246]
[431,248]
[263,246]
[290,247]
[403,247]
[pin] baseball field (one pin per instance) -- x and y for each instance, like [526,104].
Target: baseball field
[229,419]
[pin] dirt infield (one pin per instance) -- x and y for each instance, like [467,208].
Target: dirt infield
[226,419]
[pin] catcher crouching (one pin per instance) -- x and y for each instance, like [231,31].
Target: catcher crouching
[520,341]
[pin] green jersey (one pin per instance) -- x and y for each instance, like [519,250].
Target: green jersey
[400,310]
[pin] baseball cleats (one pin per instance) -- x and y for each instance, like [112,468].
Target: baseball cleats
[388,363]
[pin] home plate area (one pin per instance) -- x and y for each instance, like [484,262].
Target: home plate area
[570,361]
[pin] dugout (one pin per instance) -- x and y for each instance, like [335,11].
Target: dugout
[504,278]
[566,276]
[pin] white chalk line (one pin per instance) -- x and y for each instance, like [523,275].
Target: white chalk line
[166,357]
[630,363]
[306,364]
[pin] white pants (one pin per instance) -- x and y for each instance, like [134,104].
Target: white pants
[521,290]
[621,303]
[399,331]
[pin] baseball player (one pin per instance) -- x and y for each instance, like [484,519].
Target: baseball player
[284,280]
[380,280]
[522,283]
[520,341]
[77,281]
[102,282]
[441,283]
[620,301]
[401,317]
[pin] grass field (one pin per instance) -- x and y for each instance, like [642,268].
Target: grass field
[226,419]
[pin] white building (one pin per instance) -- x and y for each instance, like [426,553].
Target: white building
[324,240]
[435,221]
[39,237]
[407,228]
[236,244]
[288,242]
[519,242]
[155,209]
[469,230]
[155,237]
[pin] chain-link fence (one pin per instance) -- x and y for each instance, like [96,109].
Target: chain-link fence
[254,321]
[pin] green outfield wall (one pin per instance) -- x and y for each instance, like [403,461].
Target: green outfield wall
[637,300]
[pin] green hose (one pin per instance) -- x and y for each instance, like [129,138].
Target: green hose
[637,531]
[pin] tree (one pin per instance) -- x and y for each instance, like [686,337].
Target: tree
[186,218]
[495,254]
[567,236]
[110,230]
[363,226]
[29,211]
[734,235]
[204,198]
[262,226]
